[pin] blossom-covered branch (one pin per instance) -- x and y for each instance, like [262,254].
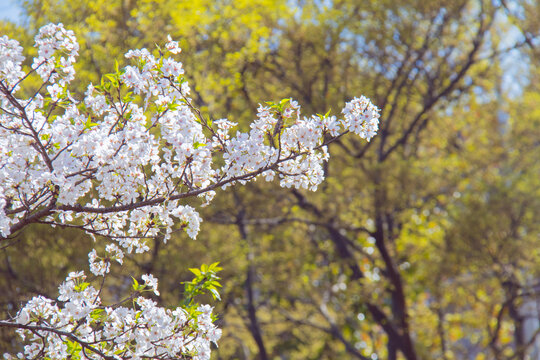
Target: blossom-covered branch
[81,325]
[136,142]
[119,163]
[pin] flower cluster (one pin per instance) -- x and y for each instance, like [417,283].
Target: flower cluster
[57,51]
[119,163]
[83,324]
[10,61]
[361,117]
[51,160]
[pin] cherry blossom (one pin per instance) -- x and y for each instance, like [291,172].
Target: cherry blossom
[119,163]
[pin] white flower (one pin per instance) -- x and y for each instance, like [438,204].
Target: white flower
[172,68]
[152,282]
[214,334]
[116,252]
[361,117]
[190,218]
[172,46]
[23,317]
[54,90]
[98,266]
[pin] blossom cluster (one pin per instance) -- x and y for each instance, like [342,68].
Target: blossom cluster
[10,61]
[118,162]
[55,150]
[361,117]
[102,332]
[57,51]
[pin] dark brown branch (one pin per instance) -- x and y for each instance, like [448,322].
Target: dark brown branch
[34,328]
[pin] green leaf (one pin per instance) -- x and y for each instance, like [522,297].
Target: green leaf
[89,124]
[135,285]
[113,78]
[81,286]
[98,314]
[215,294]
[73,349]
[214,283]
[128,97]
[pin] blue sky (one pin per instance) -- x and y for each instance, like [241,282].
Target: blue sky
[10,10]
